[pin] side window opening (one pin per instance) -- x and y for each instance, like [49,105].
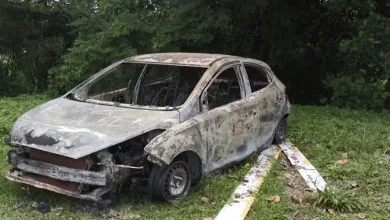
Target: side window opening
[224,89]
[168,85]
[258,79]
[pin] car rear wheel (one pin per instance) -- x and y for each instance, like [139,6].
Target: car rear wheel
[170,183]
[281,132]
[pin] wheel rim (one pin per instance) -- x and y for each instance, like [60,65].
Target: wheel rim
[176,181]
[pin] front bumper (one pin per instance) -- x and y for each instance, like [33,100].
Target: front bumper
[95,195]
[58,172]
[47,176]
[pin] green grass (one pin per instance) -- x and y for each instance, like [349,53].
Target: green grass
[323,134]
[265,209]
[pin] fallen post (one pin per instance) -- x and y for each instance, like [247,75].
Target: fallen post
[245,193]
[308,172]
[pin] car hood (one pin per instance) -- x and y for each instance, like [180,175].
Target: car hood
[75,129]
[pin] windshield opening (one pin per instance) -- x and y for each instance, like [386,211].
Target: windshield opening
[145,85]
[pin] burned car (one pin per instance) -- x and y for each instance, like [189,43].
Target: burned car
[158,121]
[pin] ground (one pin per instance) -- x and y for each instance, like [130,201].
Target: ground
[351,149]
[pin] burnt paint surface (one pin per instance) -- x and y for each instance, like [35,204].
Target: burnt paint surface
[76,129]
[229,133]
[220,136]
[187,59]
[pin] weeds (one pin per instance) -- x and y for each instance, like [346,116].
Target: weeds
[339,200]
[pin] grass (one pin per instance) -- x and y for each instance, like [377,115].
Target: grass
[339,200]
[265,209]
[324,134]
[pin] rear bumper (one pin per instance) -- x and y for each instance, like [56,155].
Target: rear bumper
[95,195]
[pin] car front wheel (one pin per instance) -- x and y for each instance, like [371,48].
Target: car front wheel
[170,183]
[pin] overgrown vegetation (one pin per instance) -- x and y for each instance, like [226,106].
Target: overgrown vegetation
[349,148]
[342,201]
[319,49]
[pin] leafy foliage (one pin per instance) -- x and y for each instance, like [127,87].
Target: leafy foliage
[364,78]
[36,35]
[355,92]
[309,44]
[369,50]
[104,37]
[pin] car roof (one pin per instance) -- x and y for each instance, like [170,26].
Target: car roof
[186,59]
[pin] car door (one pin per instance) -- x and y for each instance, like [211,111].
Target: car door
[228,123]
[265,104]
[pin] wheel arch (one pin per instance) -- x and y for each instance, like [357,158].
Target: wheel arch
[194,162]
[184,140]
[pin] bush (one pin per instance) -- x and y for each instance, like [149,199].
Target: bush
[355,92]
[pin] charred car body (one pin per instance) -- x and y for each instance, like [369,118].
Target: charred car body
[160,121]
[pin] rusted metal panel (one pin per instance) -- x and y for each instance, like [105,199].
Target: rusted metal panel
[69,186]
[59,160]
[82,164]
[58,172]
[93,196]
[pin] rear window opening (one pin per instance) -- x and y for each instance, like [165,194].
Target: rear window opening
[258,79]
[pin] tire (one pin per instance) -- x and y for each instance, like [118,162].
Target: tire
[170,183]
[281,132]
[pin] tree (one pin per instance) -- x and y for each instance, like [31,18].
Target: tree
[326,52]
[117,30]
[37,34]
